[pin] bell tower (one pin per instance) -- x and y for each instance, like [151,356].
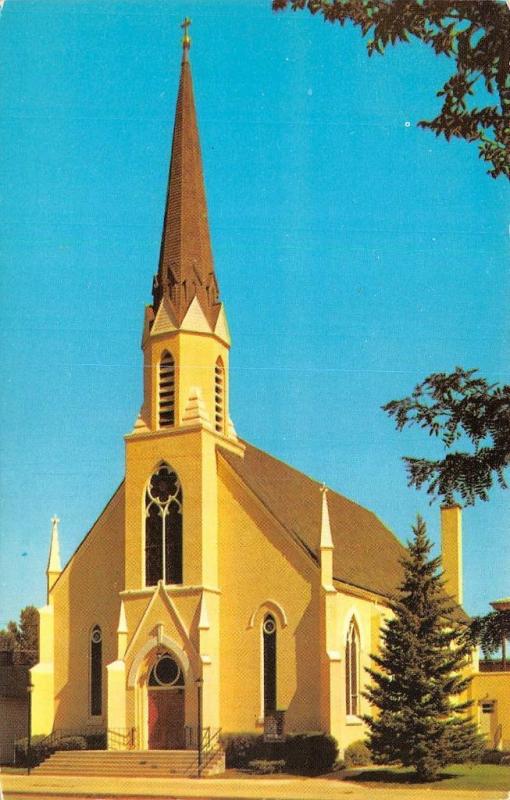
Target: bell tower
[185,412]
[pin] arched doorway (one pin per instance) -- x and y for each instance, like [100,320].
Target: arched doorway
[165,690]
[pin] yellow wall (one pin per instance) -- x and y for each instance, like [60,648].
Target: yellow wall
[256,567]
[86,594]
[495,686]
[369,615]
[258,564]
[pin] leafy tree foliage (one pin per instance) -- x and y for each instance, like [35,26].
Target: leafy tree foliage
[475,34]
[417,673]
[22,639]
[457,406]
[491,632]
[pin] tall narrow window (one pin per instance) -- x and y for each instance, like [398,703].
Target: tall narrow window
[163,528]
[219,395]
[352,670]
[269,647]
[96,671]
[166,390]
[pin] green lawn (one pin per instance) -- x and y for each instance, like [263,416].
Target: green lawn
[459,776]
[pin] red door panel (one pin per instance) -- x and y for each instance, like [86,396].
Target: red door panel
[166,719]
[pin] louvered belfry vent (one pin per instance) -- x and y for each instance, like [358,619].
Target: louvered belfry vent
[219,381]
[166,391]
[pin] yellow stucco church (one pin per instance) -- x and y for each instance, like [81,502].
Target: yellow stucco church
[219,588]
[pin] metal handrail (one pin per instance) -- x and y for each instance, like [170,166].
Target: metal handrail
[191,736]
[48,742]
[209,746]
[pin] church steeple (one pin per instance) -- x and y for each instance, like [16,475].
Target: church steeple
[186,267]
[185,338]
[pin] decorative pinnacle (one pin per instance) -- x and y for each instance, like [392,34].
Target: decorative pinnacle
[186,39]
[54,564]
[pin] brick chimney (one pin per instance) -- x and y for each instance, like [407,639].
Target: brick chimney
[451,550]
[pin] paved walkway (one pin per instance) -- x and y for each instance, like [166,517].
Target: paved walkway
[49,786]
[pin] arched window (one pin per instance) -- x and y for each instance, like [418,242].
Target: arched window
[96,671]
[269,655]
[219,396]
[166,389]
[163,528]
[352,650]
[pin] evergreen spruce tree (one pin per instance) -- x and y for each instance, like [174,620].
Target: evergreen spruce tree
[421,721]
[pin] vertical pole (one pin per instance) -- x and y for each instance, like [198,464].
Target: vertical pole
[30,686]
[200,683]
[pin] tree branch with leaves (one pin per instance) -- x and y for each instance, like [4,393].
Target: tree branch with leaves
[474,34]
[458,407]
[491,632]
[22,639]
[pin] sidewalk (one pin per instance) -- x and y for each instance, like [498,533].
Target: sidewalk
[16,787]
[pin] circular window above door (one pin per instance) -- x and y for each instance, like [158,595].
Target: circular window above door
[166,672]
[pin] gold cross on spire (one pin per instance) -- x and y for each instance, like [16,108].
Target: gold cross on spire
[186,39]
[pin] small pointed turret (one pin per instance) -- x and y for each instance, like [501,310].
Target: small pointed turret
[186,267]
[326,544]
[326,539]
[54,566]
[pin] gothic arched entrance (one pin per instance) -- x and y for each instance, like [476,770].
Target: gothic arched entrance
[165,690]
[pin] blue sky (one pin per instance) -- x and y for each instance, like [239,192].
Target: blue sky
[355,254]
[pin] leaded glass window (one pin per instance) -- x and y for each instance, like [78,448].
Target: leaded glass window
[166,672]
[269,647]
[96,671]
[352,650]
[163,528]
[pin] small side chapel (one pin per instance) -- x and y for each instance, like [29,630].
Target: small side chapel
[219,586]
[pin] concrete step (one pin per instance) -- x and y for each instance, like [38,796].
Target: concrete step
[142,763]
[127,755]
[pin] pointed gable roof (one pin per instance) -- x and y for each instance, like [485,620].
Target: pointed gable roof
[366,554]
[186,268]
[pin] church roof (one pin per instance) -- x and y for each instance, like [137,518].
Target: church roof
[367,554]
[186,267]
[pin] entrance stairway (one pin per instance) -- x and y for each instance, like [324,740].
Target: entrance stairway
[132,763]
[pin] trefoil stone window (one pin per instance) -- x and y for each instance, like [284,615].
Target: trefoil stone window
[163,528]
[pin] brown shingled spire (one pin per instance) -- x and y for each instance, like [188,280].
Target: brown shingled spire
[186,268]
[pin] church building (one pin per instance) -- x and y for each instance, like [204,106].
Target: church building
[219,588]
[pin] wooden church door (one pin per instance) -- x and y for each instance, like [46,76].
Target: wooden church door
[166,719]
[166,705]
